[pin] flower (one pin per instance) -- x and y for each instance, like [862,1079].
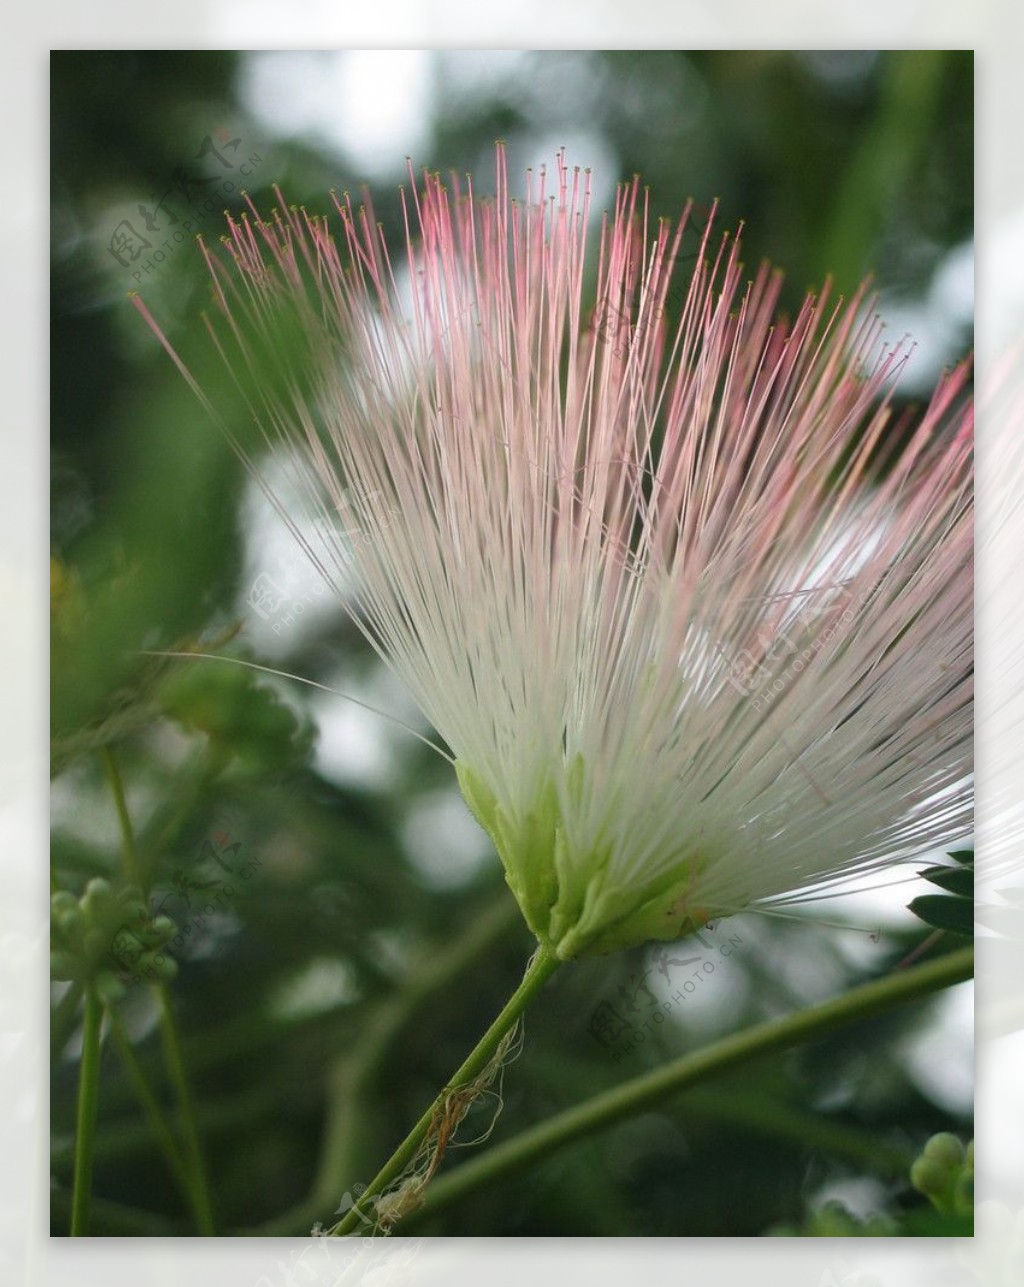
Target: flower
[689,604]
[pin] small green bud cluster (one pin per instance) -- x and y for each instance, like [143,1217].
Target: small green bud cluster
[106,934]
[944,1173]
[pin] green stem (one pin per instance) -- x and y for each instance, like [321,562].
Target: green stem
[764,1115]
[891,154]
[195,1168]
[542,965]
[353,1077]
[124,1138]
[638,1094]
[129,851]
[157,1120]
[803,1129]
[113,1218]
[88,1102]
[176,1068]
[62,1019]
[186,798]
[354,1084]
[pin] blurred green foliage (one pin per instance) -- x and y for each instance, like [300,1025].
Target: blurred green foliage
[326,998]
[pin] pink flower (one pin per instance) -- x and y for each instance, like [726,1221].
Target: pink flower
[689,604]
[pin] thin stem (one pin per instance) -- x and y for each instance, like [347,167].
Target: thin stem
[360,1075]
[195,1168]
[88,1102]
[159,833]
[157,1120]
[176,1068]
[129,851]
[765,1115]
[805,1129]
[638,1094]
[114,1218]
[353,1077]
[542,965]
[62,1019]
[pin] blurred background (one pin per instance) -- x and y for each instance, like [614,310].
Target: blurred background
[350,934]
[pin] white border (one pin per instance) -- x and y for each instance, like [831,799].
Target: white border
[26,1255]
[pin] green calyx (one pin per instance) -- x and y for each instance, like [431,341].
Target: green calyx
[574,908]
[526,851]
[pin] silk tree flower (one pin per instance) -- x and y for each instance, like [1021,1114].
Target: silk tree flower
[689,603]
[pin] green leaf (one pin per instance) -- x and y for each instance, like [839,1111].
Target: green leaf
[957,880]
[962,855]
[945,912]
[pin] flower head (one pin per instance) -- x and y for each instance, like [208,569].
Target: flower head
[689,604]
